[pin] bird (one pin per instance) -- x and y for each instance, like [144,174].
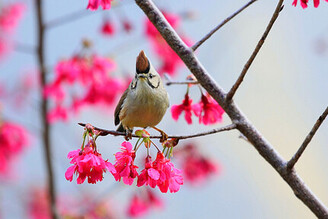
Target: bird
[144,102]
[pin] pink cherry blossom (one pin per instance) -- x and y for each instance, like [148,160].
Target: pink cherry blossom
[124,165]
[170,177]
[94,4]
[107,28]
[142,202]
[149,175]
[137,207]
[10,15]
[38,204]
[208,110]
[5,48]
[57,113]
[88,163]
[196,167]
[13,140]
[304,3]
[185,107]
[127,25]
[82,81]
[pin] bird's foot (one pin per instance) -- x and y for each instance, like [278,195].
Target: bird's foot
[164,136]
[128,134]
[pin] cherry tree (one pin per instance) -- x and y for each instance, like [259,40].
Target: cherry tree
[89,80]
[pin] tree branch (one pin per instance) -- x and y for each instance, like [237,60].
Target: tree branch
[181,82]
[243,125]
[104,132]
[307,140]
[44,108]
[207,36]
[248,64]
[23,48]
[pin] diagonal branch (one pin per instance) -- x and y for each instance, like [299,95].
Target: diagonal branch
[264,148]
[307,140]
[207,36]
[248,64]
[105,132]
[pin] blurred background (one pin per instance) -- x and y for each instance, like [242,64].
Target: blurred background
[283,94]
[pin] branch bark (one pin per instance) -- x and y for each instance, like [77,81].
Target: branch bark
[243,125]
[44,108]
[307,140]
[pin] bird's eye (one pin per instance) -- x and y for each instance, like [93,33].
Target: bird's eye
[151,76]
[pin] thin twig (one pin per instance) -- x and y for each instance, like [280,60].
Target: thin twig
[105,132]
[75,16]
[200,42]
[264,148]
[181,82]
[307,140]
[28,49]
[69,18]
[44,109]
[248,64]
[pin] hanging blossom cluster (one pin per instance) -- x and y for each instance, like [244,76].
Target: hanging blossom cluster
[170,60]
[80,81]
[88,163]
[304,3]
[10,15]
[207,109]
[13,140]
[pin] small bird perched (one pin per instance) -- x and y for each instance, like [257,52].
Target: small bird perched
[144,102]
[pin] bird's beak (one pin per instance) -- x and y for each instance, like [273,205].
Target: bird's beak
[142,76]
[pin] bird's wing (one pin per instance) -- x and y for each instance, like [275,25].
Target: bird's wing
[119,107]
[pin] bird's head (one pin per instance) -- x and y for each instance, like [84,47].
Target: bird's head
[145,73]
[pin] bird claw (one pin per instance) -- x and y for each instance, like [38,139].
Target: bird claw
[164,137]
[128,135]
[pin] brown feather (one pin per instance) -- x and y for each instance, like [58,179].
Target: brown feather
[142,62]
[119,107]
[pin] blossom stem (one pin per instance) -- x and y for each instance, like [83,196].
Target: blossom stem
[171,152]
[84,137]
[307,140]
[138,146]
[207,36]
[155,145]
[135,146]
[148,151]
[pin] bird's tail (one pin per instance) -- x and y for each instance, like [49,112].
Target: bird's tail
[120,128]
